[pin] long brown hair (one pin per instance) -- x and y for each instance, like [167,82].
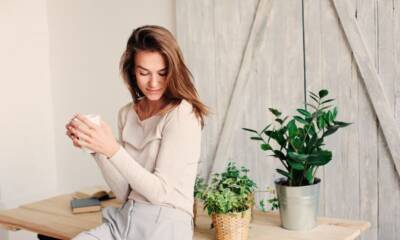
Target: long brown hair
[179,79]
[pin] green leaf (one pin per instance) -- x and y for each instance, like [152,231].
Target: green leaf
[265,129]
[284,173]
[320,158]
[250,130]
[334,112]
[330,130]
[265,147]
[295,165]
[300,119]
[279,120]
[329,100]
[297,142]
[315,99]
[292,128]
[304,112]
[284,119]
[341,124]
[256,138]
[275,112]
[298,156]
[277,136]
[279,154]
[330,117]
[312,143]
[320,122]
[322,93]
[313,94]
[308,174]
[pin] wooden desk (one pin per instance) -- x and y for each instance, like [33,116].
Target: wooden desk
[52,217]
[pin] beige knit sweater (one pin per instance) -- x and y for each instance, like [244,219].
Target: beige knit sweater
[158,157]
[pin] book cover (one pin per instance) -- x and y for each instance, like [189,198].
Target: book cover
[85,205]
[100,192]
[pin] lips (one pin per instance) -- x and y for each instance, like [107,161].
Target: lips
[153,90]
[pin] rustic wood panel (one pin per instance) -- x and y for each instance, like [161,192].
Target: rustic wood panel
[389,181]
[366,123]
[361,181]
[196,36]
[342,174]
[234,106]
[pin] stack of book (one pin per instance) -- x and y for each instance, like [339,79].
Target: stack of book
[89,199]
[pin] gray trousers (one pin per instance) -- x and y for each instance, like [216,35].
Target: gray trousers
[141,221]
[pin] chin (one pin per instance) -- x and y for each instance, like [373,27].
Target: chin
[151,97]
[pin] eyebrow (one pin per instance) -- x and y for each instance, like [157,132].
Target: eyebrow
[149,70]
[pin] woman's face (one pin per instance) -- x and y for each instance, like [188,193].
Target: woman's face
[151,74]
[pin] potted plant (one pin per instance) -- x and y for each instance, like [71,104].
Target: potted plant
[298,143]
[199,188]
[228,200]
[272,201]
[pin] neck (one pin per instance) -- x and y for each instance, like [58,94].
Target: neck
[151,107]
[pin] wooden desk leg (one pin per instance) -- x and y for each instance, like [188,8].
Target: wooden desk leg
[43,237]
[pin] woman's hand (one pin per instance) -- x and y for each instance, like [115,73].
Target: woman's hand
[85,133]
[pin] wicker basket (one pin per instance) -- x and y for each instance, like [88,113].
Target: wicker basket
[251,205]
[195,204]
[232,226]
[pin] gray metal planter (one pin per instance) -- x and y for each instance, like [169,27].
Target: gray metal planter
[298,206]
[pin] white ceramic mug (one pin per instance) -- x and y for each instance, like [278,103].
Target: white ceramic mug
[96,120]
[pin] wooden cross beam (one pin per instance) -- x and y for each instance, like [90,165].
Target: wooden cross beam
[235,108]
[371,80]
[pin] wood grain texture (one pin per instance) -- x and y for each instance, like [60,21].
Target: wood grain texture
[196,37]
[52,217]
[361,180]
[389,180]
[367,123]
[235,107]
[376,91]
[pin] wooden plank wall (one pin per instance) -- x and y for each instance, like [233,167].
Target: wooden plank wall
[361,181]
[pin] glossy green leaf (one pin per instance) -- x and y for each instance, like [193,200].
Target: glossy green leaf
[275,112]
[300,119]
[284,173]
[292,128]
[249,130]
[322,93]
[298,156]
[304,112]
[308,174]
[265,147]
[256,138]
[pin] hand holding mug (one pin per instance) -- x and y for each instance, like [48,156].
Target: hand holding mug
[86,134]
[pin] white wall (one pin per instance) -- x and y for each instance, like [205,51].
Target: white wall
[58,58]
[87,39]
[28,169]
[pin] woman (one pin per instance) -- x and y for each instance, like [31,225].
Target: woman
[152,168]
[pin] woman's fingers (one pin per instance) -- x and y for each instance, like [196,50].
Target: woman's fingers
[73,137]
[78,127]
[86,121]
[80,135]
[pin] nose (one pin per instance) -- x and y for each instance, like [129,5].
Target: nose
[154,81]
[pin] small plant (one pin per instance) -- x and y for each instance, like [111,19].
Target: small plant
[273,200]
[199,187]
[299,143]
[229,192]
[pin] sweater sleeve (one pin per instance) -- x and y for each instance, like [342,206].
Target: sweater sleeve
[179,148]
[118,184]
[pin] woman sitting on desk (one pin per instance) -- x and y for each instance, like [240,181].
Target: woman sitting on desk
[153,166]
